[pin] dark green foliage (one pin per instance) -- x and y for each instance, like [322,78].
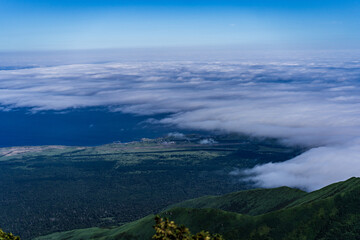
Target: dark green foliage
[330,213]
[327,214]
[7,236]
[168,230]
[67,188]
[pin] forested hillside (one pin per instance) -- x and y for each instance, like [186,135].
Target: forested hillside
[327,214]
[47,189]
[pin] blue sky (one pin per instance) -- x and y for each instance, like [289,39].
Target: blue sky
[96,24]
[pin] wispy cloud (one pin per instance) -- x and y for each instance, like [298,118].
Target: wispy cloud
[310,102]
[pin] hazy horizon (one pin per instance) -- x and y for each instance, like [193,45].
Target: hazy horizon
[281,69]
[54,25]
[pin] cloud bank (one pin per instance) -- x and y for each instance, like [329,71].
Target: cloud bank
[307,101]
[311,170]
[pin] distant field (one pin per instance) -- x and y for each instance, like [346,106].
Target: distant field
[55,188]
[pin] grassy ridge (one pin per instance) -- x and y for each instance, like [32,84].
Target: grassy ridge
[251,202]
[329,213]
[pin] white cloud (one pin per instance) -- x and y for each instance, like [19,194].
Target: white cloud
[207,141]
[308,101]
[312,170]
[177,135]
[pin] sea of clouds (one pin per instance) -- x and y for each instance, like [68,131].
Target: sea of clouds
[314,102]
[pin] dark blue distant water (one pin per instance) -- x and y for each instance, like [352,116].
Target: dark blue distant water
[81,127]
[14,67]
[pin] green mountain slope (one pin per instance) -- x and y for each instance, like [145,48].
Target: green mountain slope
[329,213]
[329,191]
[251,202]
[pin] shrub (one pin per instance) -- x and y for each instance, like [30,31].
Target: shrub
[8,236]
[168,230]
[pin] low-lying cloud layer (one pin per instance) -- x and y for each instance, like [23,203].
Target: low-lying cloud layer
[309,102]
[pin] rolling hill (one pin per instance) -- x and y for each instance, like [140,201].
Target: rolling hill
[282,213]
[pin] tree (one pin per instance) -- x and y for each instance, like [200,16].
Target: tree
[7,236]
[168,230]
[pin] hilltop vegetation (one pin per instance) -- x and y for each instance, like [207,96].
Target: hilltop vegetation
[57,188]
[7,236]
[168,230]
[329,213]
